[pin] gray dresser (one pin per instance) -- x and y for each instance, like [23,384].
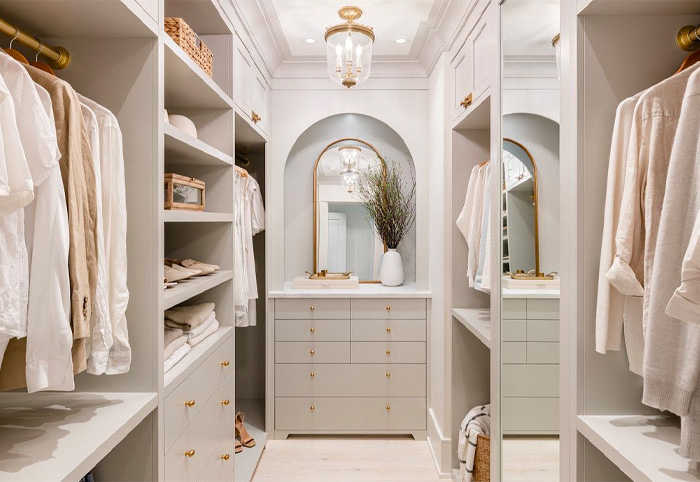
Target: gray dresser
[350,365]
[530,371]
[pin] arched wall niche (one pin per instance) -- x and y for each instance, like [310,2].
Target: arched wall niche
[298,183]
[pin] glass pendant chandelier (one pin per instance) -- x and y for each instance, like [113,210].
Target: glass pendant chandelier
[349,156]
[349,49]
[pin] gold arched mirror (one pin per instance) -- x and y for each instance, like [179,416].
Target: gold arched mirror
[521,242]
[344,239]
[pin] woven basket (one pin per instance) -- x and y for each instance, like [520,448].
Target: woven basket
[184,36]
[482,459]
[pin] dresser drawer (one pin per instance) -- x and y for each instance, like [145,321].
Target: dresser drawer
[388,330]
[537,381]
[388,309]
[219,468]
[361,414]
[312,352]
[514,309]
[350,380]
[514,330]
[312,330]
[542,352]
[542,330]
[186,401]
[539,309]
[530,415]
[312,309]
[388,352]
[514,352]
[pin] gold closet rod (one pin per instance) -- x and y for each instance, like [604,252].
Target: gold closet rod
[58,56]
[689,38]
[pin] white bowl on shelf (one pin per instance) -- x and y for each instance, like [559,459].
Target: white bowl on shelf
[183,123]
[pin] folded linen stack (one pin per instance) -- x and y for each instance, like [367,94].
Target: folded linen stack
[175,270]
[185,327]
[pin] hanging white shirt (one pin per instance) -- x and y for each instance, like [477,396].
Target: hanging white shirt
[240,273]
[254,222]
[100,341]
[114,228]
[475,225]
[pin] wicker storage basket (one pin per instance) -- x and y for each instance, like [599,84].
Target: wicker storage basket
[187,39]
[482,459]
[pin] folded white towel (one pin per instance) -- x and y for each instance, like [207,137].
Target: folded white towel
[477,421]
[176,357]
[199,338]
[198,330]
[174,346]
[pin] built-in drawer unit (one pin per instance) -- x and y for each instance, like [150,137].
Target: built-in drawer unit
[530,372]
[350,414]
[350,365]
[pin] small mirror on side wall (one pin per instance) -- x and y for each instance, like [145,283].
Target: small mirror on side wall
[344,238]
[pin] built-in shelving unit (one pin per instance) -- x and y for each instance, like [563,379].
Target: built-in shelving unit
[62,436]
[188,150]
[196,217]
[186,289]
[477,321]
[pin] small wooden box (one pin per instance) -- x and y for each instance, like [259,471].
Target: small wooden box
[184,193]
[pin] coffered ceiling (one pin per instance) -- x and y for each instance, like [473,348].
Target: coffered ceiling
[293,21]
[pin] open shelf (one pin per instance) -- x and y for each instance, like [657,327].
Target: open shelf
[183,149]
[244,463]
[637,7]
[476,320]
[204,16]
[194,358]
[644,447]
[187,86]
[170,216]
[62,436]
[189,288]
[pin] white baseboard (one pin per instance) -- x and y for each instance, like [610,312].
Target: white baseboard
[440,447]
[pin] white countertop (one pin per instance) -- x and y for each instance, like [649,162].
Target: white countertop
[374,290]
[536,293]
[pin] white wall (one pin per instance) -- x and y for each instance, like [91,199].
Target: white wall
[298,184]
[541,137]
[292,112]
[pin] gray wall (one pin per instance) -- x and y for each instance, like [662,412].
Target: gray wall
[298,184]
[541,137]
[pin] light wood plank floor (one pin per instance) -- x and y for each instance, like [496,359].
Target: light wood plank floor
[530,459]
[346,459]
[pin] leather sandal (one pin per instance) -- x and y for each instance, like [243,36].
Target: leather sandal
[242,432]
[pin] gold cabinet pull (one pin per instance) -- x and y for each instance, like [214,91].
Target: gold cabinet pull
[225,363]
[225,457]
[313,352]
[189,403]
[312,408]
[388,352]
[388,330]
[255,117]
[388,408]
[388,308]
[312,308]
[190,453]
[388,375]
[225,402]
[312,374]
[312,329]
[467,101]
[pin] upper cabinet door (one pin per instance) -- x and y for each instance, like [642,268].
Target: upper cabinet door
[462,66]
[259,106]
[479,43]
[242,78]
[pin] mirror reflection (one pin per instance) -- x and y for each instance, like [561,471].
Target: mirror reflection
[345,239]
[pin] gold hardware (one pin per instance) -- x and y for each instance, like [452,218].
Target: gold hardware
[388,308]
[225,402]
[59,57]
[189,403]
[312,330]
[255,117]
[312,374]
[313,352]
[689,38]
[312,308]
[189,453]
[388,375]
[556,40]
[225,363]
[225,457]
[312,408]
[467,101]
[388,330]
[388,408]
[388,352]
[350,14]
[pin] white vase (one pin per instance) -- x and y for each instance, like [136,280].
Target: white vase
[391,273]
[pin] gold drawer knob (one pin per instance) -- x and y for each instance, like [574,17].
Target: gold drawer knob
[190,453]
[388,375]
[313,352]
[225,402]
[388,308]
[388,408]
[388,352]
[312,308]
[312,374]
[225,457]
[388,330]
[312,408]
[225,363]
[189,403]
[312,330]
